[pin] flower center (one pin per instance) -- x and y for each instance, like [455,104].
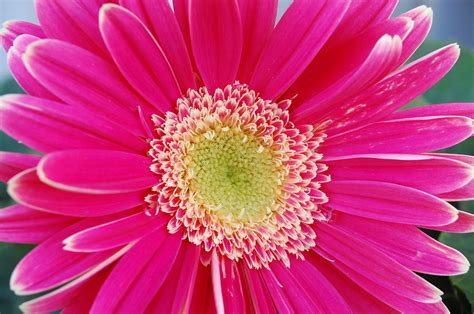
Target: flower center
[233,175]
[236,176]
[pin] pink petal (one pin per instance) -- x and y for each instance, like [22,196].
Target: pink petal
[227,285]
[216,36]
[426,173]
[462,158]
[422,17]
[341,71]
[313,282]
[21,224]
[410,135]
[48,265]
[138,56]
[202,300]
[181,10]
[370,263]
[28,190]
[464,224]
[359,17]
[67,294]
[81,78]
[96,171]
[464,193]
[390,94]
[74,21]
[406,244]
[175,294]
[258,19]
[12,29]
[114,233]
[162,23]
[261,299]
[48,126]
[13,163]
[137,277]
[454,109]
[356,297]
[19,70]
[297,38]
[389,202]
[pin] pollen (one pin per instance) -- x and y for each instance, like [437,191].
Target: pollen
[236,176]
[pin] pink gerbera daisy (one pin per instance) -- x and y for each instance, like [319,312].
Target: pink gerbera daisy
[201,159]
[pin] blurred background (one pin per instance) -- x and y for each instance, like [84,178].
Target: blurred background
[453,22]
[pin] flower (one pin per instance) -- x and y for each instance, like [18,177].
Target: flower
[199,159]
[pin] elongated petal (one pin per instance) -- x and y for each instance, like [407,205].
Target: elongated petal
[20,72]
[258,19]
[74,21]
[48,265]
[464,224]
[137,277]
[12,29]
[21,224]
[422,17]
[389,202]
[406,244]
[161,21]
[202,299]
[216,36]
[305,27]
[174,295]
[96,171]
[81,78]
[228,288]
[410,135]
[261,299]
[138,56]
[464,193]
[48,126]
[27,189]
[113,233]
[426,173]
[454,109]
[13,163]
[356,297]
[372,264]
[64,296]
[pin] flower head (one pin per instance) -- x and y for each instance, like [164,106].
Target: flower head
[201,159]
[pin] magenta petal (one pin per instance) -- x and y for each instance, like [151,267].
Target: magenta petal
[409,135]
[305,27]
[114,233]
[258,291]
[313,282]
[464,224]
[96,171]
[13,163]
[74,21]
[427,173]
[175,294]
[19,70]
[389,202]
[68,293]
[138,56]
[422,17]
[406,244]
[28,190]
[12,29]
[464,193]
[48,265]
[46,126]
[216,36]
[81,78]
[454,109]
[21,224]
[137,277]
[162,23]
[227,289]
[258,20]
[372,264]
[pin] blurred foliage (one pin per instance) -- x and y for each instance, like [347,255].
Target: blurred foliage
[457,86]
